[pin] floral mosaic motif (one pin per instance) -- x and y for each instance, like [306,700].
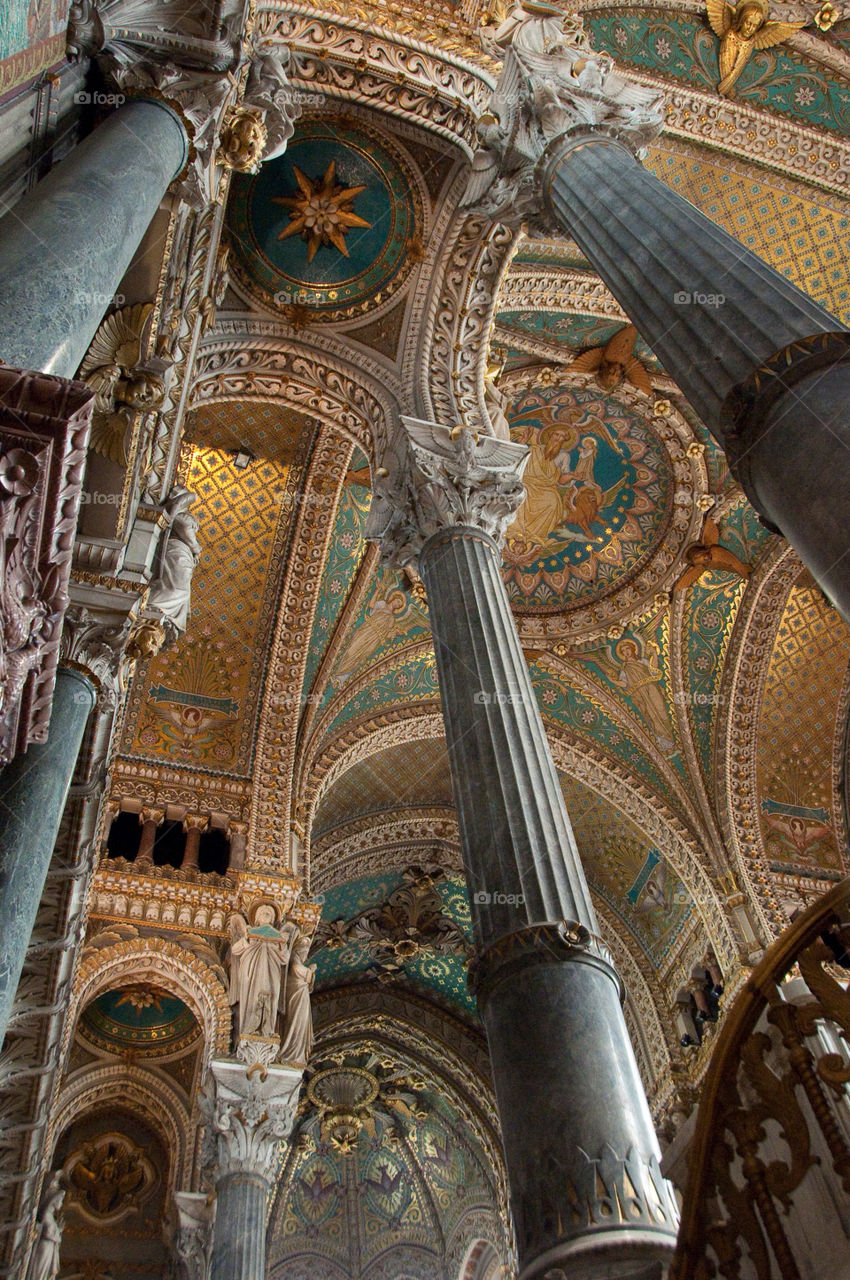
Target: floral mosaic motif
[198,702]
[351,941]
[628,872]
[597,494]
[412,681]
[683,47]
[800,237]
[561,702]
[344,556]
[798,808]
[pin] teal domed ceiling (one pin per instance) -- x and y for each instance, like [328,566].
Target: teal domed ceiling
[327,225]
[140,1018]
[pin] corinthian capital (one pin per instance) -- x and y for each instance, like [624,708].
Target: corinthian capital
[433,478]
[96,645]
[552,86]
[248,1112]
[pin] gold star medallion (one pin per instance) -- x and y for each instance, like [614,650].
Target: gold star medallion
[322,213]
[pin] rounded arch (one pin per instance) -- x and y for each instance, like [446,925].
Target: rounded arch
[151,1094]
[480,1262]
[166,964]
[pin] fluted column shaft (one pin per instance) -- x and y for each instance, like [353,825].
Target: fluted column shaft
[33,790]
[574,1117]
[239,1239]
[65,247]
[517,837]
[766,368]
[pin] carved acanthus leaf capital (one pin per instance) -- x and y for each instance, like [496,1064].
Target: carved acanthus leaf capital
[97,646]
[248,1111]
[552,86]
[193,1237]
[433,479]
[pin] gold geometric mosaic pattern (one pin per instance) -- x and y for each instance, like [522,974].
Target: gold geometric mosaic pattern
[803,239]
[396,778]
[269,430]
[198,692]
[799,810]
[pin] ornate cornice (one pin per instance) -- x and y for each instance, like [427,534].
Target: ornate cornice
[359,60]
[549,287]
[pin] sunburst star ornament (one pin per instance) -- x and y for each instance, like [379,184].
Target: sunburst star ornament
[322,214]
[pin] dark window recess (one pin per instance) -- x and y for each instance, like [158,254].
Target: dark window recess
[214,851]
[124,836]
[169,844]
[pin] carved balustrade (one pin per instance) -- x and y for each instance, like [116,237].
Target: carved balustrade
[768,1190]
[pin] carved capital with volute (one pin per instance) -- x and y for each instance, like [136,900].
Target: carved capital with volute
[248,1112]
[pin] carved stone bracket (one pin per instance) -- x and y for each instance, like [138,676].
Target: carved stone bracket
[96,646]
[434,479]
[44,428]
[248,1112]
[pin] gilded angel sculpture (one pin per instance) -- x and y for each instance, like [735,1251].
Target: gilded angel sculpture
[709,554]
[742,29]
[111,367]
[615,362]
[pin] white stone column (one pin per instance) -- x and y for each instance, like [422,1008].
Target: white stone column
[250,1111]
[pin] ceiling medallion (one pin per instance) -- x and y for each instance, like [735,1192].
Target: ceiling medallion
[343,1095]
[322,232]
[323,211]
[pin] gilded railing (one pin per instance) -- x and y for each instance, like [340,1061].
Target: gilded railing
[768,1191]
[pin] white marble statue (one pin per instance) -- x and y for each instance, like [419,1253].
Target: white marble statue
[44,1262]
[259,955]
[297,1038]
[170,593]
[269,89]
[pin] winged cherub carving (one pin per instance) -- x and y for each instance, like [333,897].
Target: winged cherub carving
[742,29]
[122,388]
[615,362]
[708,554]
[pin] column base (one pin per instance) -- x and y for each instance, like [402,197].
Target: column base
[587,1193]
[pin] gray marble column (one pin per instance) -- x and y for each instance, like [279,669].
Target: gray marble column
[65,247]
[33,790]
[587,1195]
[250,1111]
[766,368]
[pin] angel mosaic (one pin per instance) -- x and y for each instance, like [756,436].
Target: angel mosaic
[389,615]
[633,664]
[742,29]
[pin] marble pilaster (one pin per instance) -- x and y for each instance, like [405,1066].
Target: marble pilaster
[250,1111]
[574,1118]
